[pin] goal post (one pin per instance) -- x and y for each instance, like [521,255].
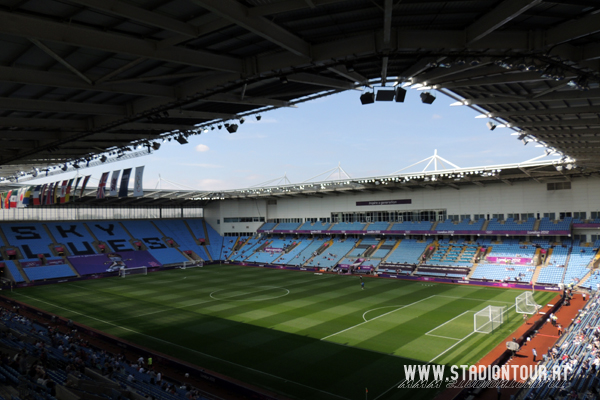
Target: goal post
[192,264]
[525,304]
[123,272]
[488,319]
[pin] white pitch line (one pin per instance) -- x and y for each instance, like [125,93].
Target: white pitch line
[186,305]
[379,308]
[449,348]
[445,351]
[186,348]
[445,337]
[450,320]
[354,326]
[471,298]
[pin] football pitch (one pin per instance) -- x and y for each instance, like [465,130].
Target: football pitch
[303,335]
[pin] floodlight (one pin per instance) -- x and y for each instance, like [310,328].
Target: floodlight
[400,94]
[491,126]
[156,145]
[427,98]
[181,139]
[367,98]
[64,167]
[258,117]
[232,128]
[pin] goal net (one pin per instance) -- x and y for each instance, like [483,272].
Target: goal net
[192,264]
[123,272]
[525,304]
[488,319]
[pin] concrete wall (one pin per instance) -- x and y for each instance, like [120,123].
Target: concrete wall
[521,197]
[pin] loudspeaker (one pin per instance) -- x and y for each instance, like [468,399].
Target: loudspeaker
[400,94]
[367,98]
[427,98]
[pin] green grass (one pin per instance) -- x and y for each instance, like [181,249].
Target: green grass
[303,335]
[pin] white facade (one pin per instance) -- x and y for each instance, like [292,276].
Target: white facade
[496,198]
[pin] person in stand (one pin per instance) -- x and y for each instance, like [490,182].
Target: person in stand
[534,351]
[559,330]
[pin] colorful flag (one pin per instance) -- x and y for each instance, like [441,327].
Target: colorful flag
[7,199]
[84,184]
[27,197]
[43,194]
[14,198]
[124,182]
[63,192]
[49,192]
[36,195]
[138,186]
[67,196]
[56,193]
[114,181]
[102,186]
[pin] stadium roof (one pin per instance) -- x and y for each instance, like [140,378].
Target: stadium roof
[84,78]
[542,172]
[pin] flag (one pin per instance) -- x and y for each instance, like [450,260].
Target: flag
[56,193]
[14,199]
[114,181]
[124,182]
[138,187]
[84,184]
[36,195]
[7,199]
[101,185]
[20,197]
[27,197]
[75,188]
[49,192]
[2,197]
[63,192]
[68,191]
[43,193]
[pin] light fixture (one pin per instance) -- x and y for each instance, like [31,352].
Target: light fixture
[232,128]
[400,94]
[367,98]
[258,117]
[156,145]
[242,120]
[284,79]
[181,139]
[64,167]
[491,126]
[559,168]
[427,98]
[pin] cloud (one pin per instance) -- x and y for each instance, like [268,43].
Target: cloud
[202,148]
[436,116]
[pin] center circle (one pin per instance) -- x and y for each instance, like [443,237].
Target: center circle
[249,293]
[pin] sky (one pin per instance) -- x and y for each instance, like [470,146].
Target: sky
[317,136]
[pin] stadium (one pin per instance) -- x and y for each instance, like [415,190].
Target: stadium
[326,289]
